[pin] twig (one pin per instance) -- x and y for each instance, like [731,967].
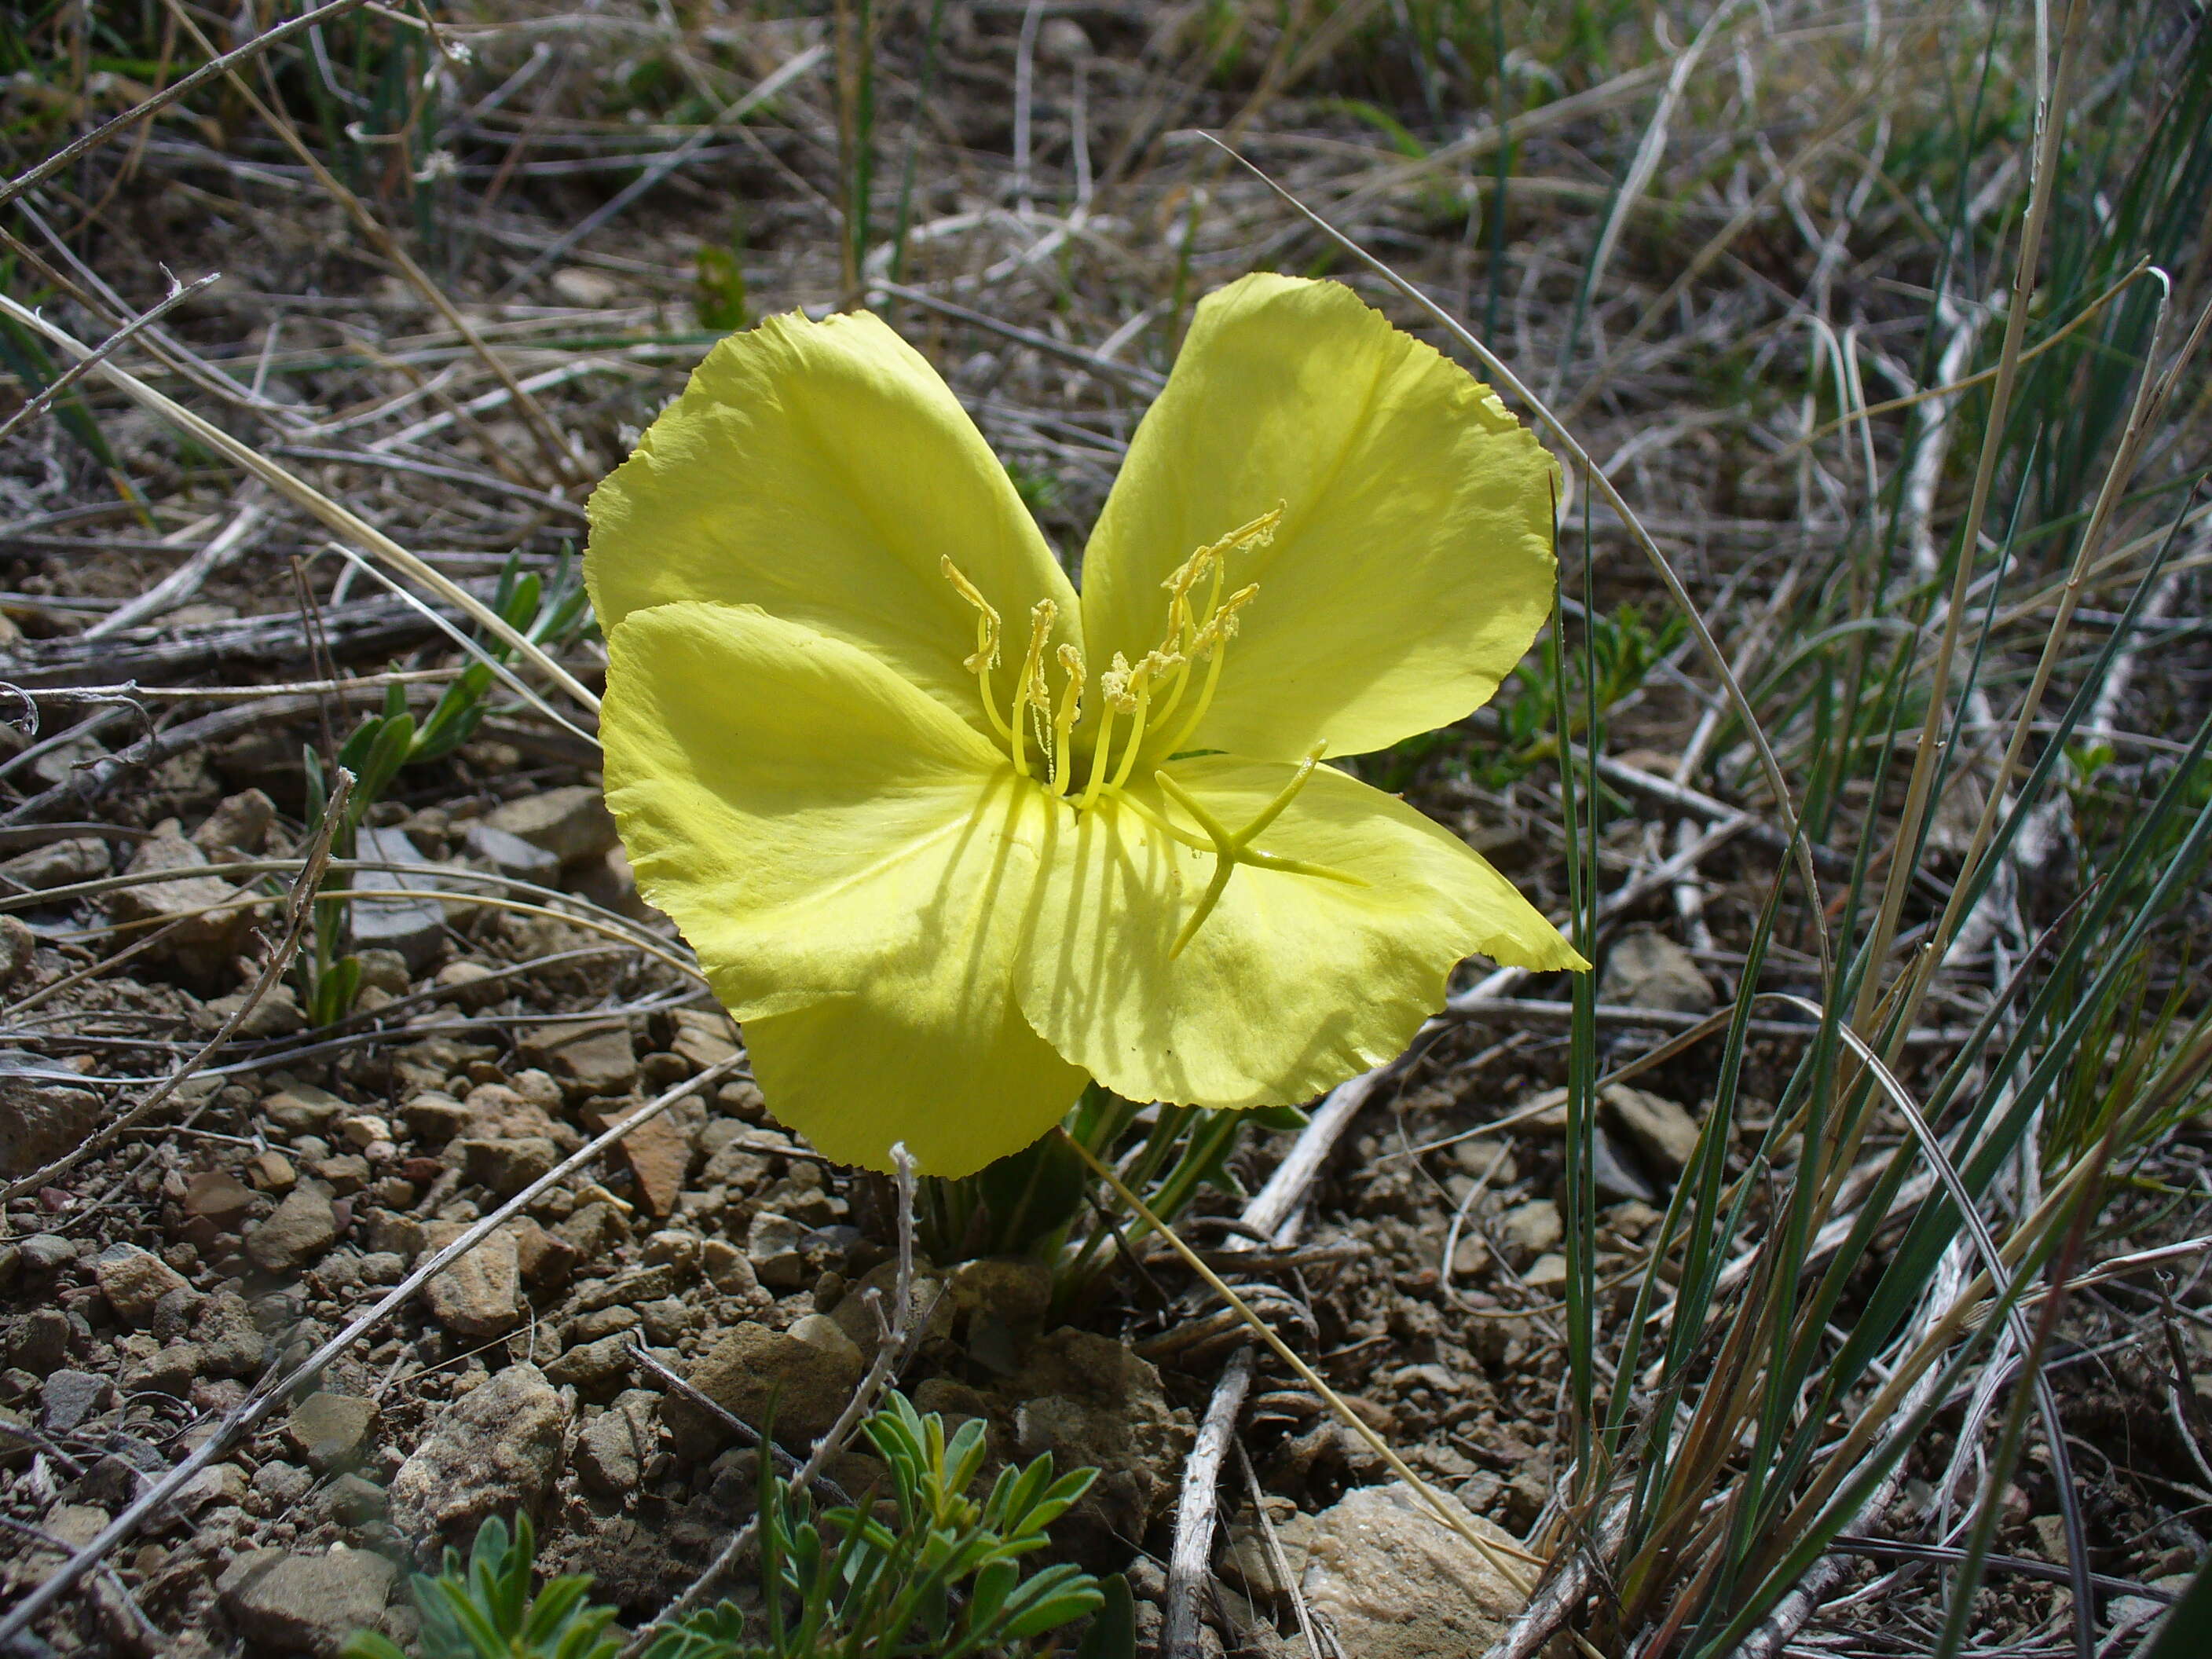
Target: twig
[275,1390]
[100,354]
[188,578]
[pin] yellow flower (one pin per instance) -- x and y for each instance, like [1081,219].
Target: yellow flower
[948,839]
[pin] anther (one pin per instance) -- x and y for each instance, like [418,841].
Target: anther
[984,657]
[1032,696]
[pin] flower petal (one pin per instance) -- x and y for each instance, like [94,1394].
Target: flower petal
[821,471]
[1413,565]
[852,864]
[1295,981]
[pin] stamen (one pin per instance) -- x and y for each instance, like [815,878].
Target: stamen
[1063,723]
[1156,662]
[1032,696]
[984,657]
[1114,690]
[1213,643]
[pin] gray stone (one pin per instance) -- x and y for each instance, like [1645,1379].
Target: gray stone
[493,1450]
[1548,1271]
[569,823]
[1529,1229]
[69,1397]
[353,1499]
[235,829]
[275,1012]
[48,1253]
[197,936]
[384,970]
[1663,1131]
[39,1341]
[589,1057]
[18,949]
[301,1109]
[616,1446]
[509,853]
[1396,1583]
[480,1295]
[40,1121]
[307,1603]
[704,1036]
[300,1229]
[170,1369]
[133,1280]
[471,985]
[218,1197]
[589,1367]
[729,1270]
[332,1430]
[507,1166]
[57,863]
[774,1244]
[764,1376]
[411,922]
[230,1342]
[1645,969]
[280,1485]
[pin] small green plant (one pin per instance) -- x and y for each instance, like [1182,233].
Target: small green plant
[486,1610]
[386,741]
[941,1578]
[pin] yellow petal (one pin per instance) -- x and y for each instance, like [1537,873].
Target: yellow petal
[852,864]
[918,1058]
[821,471]
[1294,982]
[1413,565]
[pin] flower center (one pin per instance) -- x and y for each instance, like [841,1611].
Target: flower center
[1150,694]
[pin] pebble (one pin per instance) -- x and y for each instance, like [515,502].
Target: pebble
[1395,1584]
[509,853]
[588,1057]
[1548,1271]
[493,1451]
[569,823]
[411,922]
[19,948]
[71,1396]
[300,1229]
[590,1366]
[301,1109]
[1647,969]
[218,1197]
[1531,1229]
[59,863]
[40,1122]
[235,829]
[271,1171]
[659,1156]
[729,1270]
[198,937]
[1089,1400]
[615,1447]
[480,1295]
[774,1246]
[506,1166]
[755,1373]
[47,1252]
[704,1036]
[1662,1131]
[332,1431]
[310,1603]
[170,1369]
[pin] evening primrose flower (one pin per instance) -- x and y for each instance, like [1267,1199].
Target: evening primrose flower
[950,838]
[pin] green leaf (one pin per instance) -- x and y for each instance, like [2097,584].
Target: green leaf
[1113,1632]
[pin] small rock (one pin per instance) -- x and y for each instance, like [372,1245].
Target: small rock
[218,1197]
[471,985]
[47,1252]
[659,1157]
[411,922]
[1396,1583]
[218,1483]
[608,882]
[588,1057]
[1647,969]
[384,970]
[480,1295]
[196,933]
[271,1171]
[230,1342]
[332,1431]
[570,823]
[363,1129]
[170,1369]
[492,1451]
[763,1376]
[1531,1229]
[280,1485]
[1663,1131]
[70,1397]
[615,1447]
[822,1331]
[775,1245]
[310,1603]
[435,1116]
[593,1230]
[39,1341]
[133,1280]
[57,863]
[353,1499]
[589,1367]
[18,949]
[1013,1289]
[507,1166]
[301,1109]
[509,853]
[704,1036]
[1548,1271]
[40,1122]
[235,831]
[728,1268]
[301,1228]
[545,1261]
[275,1012]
